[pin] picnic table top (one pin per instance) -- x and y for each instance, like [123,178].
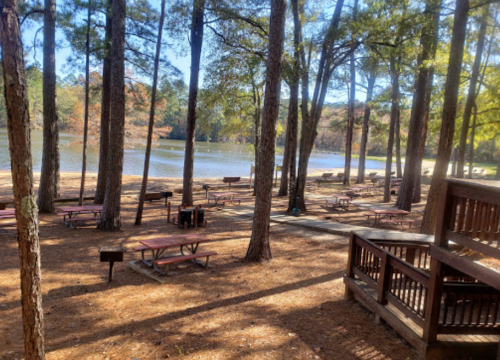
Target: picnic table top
[7,212]
[388,211]
[172,241]
[342,197]
[80,208]
[221,194]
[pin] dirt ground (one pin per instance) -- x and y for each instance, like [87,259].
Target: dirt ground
[289,308]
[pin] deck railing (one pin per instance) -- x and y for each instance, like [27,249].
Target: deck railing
[398,273]
[471,217]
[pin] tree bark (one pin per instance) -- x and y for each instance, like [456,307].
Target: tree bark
[471,146]
[18,124]
[57,173]
[392,125]
[419,107]
[365,130]
[350,108]
[105,109]
[47,185]
[259,248]
[288,175]
[311,118]
[471,96]
[196,45]
[86,115]
[256,121]
[138,218]
[449,112]
[417,198]
[291,139]
[497,173]
[110,217]
[397,129]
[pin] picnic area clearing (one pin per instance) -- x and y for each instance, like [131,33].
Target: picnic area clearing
[290,308]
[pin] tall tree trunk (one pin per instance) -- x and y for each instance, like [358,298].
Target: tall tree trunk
[471,96]
[397,129]
[392,125]
[105,109]
[138,218]
[57,163]
[449,112]
[350,108]
[311,118]
[365,130]
[497,173]
[292,167]
[196,44]
[303,74]
[471,146]
[86,115]
[46,190]
[291,136]
[293,115]
[110,217]
[256,121]
[419,110]
[259,248]
[18,124]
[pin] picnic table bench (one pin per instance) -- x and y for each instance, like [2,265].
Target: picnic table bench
[188,246]
[230,180]
[397,221]
[72,213]
[8,224]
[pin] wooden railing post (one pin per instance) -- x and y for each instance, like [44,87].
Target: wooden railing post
[433,303]
[348,294]
[384,282]
[410,255]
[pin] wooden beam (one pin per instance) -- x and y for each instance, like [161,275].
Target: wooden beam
[475,245]
[444,215]
[467,266]
[432,306]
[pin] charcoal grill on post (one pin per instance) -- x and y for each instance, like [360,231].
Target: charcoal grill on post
[111,254]
[206,187]
[166,195]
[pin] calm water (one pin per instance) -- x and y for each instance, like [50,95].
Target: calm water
[167,160]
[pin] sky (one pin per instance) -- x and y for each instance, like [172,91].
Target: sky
[182,62]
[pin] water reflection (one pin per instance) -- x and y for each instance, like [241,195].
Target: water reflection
[167,160]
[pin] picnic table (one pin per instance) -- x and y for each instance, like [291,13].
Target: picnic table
[217,196]
[73,211]
[188,246]
[382,213]
[340,201]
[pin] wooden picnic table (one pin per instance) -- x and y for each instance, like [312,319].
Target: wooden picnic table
[222,196]
[381,213]
[341,201]
[73,211]
[7,212]
[188,246]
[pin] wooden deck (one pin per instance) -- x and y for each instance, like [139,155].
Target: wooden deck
[394,279]
[447,345]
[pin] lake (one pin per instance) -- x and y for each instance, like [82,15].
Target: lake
[167,160]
